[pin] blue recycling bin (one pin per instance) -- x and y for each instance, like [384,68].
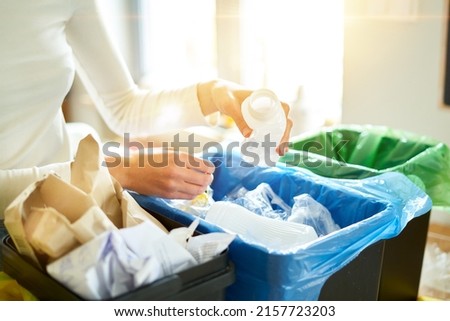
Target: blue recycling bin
[370,212]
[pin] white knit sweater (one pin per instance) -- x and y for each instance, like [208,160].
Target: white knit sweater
[42,44]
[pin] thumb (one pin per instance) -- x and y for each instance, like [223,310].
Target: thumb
[245,130]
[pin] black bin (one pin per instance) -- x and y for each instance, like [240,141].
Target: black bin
[388,270]
[207,281]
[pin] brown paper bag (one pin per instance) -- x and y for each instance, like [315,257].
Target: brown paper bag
[52,217]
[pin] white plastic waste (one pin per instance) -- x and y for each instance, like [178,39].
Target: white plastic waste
[263,113]
[306,210]
[273,234]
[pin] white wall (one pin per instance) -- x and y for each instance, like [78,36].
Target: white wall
[393,65]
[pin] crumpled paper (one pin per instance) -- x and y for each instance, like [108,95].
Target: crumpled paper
[94,238]
[51,217]
[119,261]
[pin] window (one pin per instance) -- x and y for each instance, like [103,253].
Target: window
[291,46]
[178,41]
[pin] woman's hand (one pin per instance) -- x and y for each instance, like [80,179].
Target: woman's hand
[226,97]
[162,172]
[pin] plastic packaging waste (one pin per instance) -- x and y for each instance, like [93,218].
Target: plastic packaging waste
[198,206]
[265,202]
[262,200]
[264,114]
[306,210]
[274,234]
[435,275]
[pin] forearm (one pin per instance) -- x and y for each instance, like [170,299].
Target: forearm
[125,107]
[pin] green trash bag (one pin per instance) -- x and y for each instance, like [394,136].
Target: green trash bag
[360,151]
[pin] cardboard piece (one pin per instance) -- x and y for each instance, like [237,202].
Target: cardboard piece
[52,217]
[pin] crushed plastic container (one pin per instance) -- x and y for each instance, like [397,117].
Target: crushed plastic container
[345,264]
[435,279]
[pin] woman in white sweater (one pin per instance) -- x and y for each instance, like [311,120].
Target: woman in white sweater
[42,44]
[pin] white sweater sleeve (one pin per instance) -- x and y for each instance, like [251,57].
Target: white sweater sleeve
[14,181]
[125,108]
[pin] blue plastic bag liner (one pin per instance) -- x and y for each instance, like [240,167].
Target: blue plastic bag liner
[367,210]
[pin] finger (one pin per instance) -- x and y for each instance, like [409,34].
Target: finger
[241,124]
[228,99]
[234,111]
[196,178]
[193,187]
[283,146]
[245,130]
[199,164]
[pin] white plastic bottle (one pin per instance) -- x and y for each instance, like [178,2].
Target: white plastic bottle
[265,116]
